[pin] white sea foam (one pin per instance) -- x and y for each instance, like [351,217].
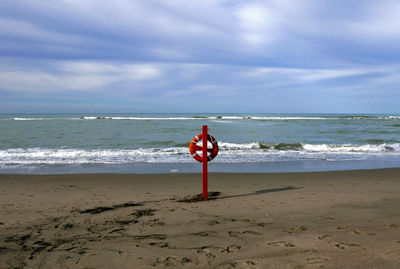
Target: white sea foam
[36,118]
[290,118]
[229,153]
[217,118]
[366,148]
[236,146]
[230,117]
[390,117]
[166,118]
[88,118]
[137,118]
[81,156]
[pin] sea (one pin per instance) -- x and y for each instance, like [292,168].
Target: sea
[158,143]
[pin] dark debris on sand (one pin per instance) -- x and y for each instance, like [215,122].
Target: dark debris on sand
[100,209]
[143,212]
[199,197]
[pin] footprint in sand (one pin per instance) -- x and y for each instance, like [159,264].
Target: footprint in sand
[153,222]
[393,254]
[237,220]
[285,244]
[355,231]
[143,212]
[237,233]
[159,244]
[346,245]
[135,216]
[338,245]
[251,232]
[391,227]
[126,220]
[238,265]
[212,222]
[233,234]
[116,230]
[150,236]
[171,261]
[232,249]
[262,224]
[204,233]
[352,230]
[325,236]
[316,260]
[210,251]
[67,226]
[296,229]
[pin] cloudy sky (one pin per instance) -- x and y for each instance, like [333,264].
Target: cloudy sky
[171,56]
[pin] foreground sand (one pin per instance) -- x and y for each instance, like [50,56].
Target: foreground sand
[345,219]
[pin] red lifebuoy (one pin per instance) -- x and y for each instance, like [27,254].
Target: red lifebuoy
[193,148]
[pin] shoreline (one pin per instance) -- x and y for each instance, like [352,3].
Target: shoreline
[199,173]
[334,219]
[183,168]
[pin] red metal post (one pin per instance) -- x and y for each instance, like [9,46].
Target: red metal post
[205,172]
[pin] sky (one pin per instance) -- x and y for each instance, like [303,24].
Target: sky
[208,56]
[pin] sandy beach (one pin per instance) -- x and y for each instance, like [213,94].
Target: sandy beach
[342,219]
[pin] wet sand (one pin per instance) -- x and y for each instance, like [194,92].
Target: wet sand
[343,219]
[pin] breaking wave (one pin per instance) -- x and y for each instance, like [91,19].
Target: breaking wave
[223,118]
[229,153]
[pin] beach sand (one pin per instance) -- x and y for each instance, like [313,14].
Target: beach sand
[342,219]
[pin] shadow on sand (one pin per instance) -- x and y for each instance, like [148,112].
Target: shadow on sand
[215,195]
[288,188]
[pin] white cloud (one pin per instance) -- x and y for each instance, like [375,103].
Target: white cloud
[161,48]
[170,54]
[287,31]
[306,75]
[75,76]
[380,22]
[263,22]
[257,24]
[170,78]
[30,31]
[39,81]
[117,71]
[207,90]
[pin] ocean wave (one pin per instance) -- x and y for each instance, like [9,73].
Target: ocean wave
[390,118]
[260,145]
[348,148]
[309,148]
[137,118]
[203,118]
[357,117]
[82,156]
[37,119]
[214,118]
[229,152]
[289,118]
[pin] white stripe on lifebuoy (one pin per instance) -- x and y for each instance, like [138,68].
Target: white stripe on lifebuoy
[195,153]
